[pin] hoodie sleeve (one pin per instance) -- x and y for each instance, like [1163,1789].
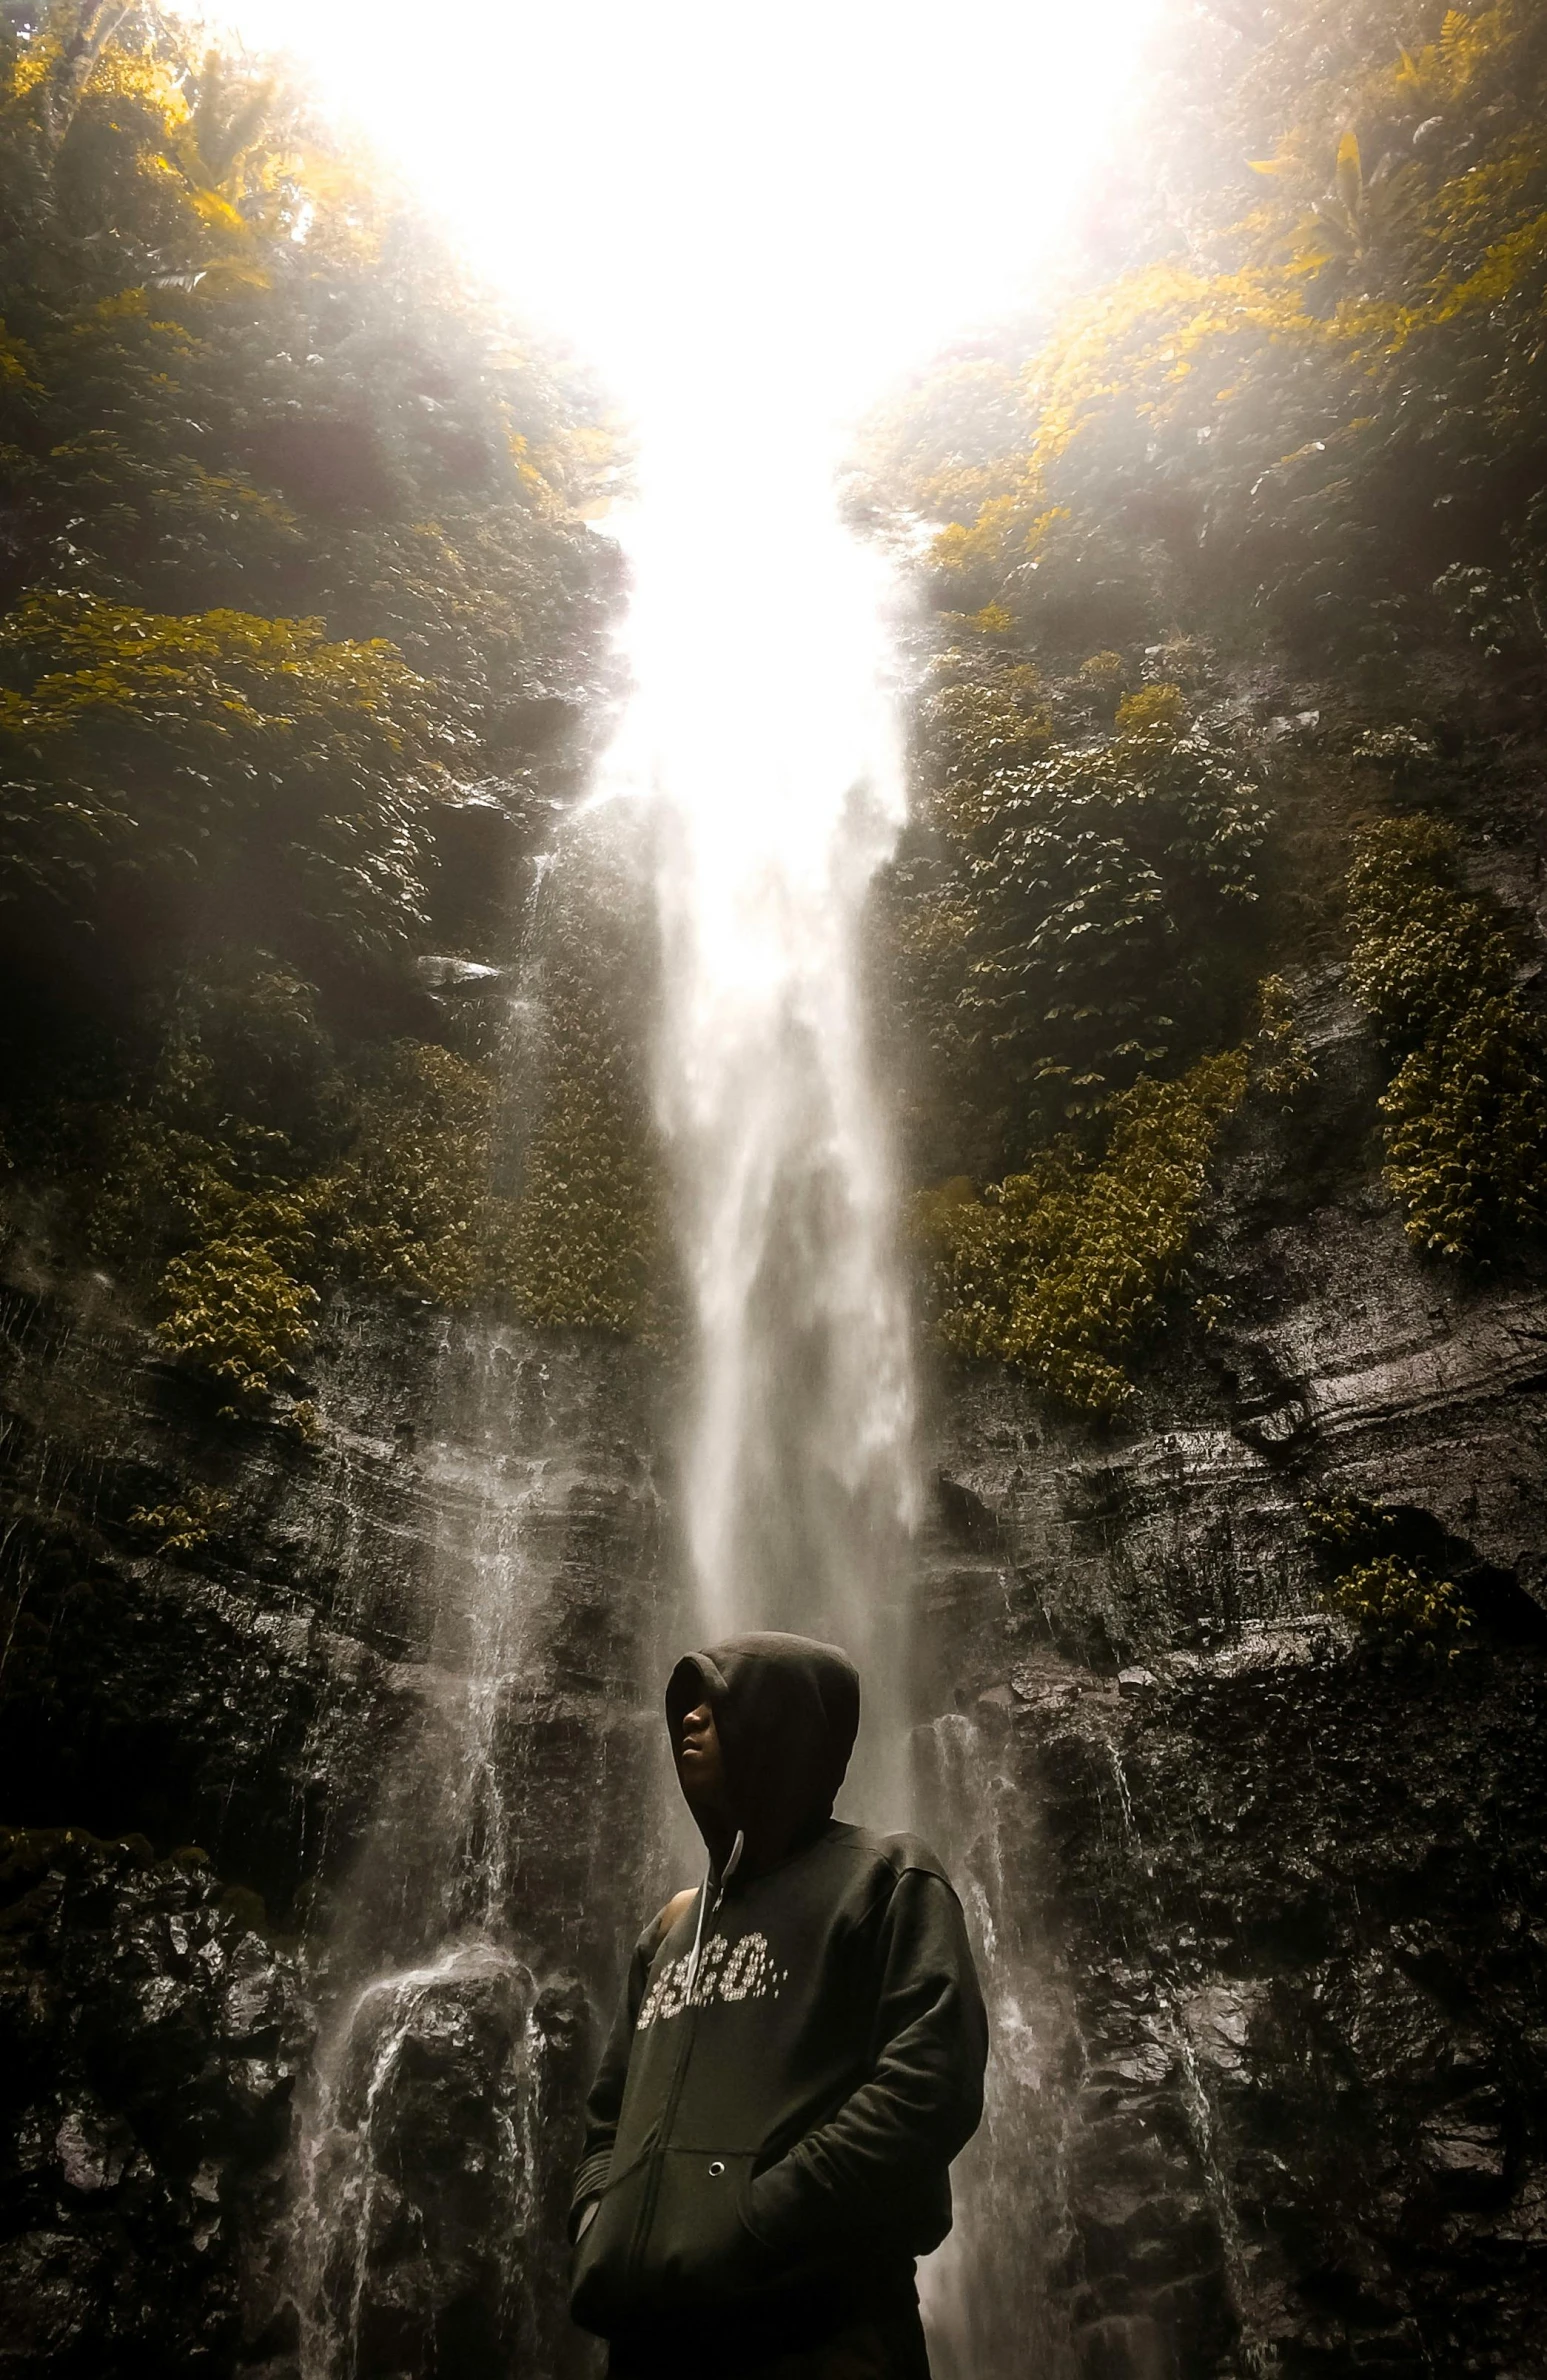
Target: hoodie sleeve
[605,2098]
[883,2155]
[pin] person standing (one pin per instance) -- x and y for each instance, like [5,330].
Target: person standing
[797,2058]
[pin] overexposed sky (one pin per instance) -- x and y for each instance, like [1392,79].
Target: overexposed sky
[813,194]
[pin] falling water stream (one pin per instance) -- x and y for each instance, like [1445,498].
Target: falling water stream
[763,729]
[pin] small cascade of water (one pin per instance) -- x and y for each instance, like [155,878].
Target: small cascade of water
[418,2151]
[985,2292]
[441,2109]
[441,2112]
[421,2155]
[1005,2293]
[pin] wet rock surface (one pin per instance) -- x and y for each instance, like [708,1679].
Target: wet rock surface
[1262,1898]
[208,1629]
[153,2038]
[1261,1901]
[450,2250]
[1272,1983]
[1304,1908]
[242,1640]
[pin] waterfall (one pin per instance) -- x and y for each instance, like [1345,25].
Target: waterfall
[763,730]
[761,740]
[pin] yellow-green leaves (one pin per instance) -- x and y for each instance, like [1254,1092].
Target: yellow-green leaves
[234,1310]
[254,764]
[1281,1063]
[184,1527]
[1391,1597]
[1156,711]
[291,554]
[411,1207]
[1381,1575]
[587,1244]
[1061,1269]
[1466,1132]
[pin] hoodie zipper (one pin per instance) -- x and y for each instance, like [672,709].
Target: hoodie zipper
[708,1915]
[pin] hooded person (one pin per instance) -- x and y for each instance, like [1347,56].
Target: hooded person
[798,2055]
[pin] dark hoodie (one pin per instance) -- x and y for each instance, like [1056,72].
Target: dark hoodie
[798,2057]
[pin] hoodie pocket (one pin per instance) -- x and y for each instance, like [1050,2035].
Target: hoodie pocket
[691,2247]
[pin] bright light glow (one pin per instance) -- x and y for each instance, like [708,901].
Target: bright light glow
[752,220]
[815,192]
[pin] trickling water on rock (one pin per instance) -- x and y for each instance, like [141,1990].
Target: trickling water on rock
[422,2185]
[433,2160]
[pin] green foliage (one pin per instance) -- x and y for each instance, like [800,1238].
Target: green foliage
[234,1310]
[242,764]
[1378,1581]
[982,716]
[587,1244]
[1390,1596]
[1466,1137]
[1061,1269]
[1155,711]
[1423,949]
[411,1207]
[246,1056]
[1291,399]
[246,1239]
[1105,675]
[1072,916]
[1254,520]
[184,1527]
[1281,1063]
[1286,409]
[294,552]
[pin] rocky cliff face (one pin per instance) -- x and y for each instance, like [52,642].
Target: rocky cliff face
[228,1676]
[1260,1901]
[1263,1899]
[154,2036]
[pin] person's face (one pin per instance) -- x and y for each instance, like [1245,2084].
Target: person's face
[700,1764]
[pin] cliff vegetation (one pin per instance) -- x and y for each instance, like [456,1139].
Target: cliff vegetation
[1238,559]
[301,629]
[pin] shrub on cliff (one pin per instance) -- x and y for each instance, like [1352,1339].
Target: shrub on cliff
[586,1241]
[1069,915]
[1466,1134]
[234,1310]
[1254,513]
[1061,1269]
[1285,411]
[1377,1577]
[220,767]
[411,1208]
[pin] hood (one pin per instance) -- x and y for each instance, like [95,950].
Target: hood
[786,1711]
